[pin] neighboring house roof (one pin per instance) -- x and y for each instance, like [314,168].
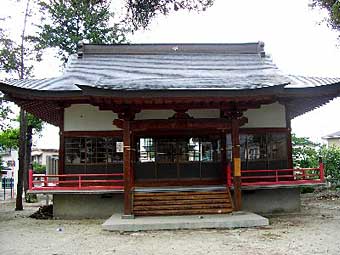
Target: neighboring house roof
[126,72]
[333,135]
[38,152]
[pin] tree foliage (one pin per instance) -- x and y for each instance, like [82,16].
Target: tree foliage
[34,123]
[38,169]
[141,12]
[331,159]
[11,59]
[66,23]
[333,9]
[9,138]
[305,152]
[5,111]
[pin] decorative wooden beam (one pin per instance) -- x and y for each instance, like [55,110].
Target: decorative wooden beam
[118,104]
[167,124]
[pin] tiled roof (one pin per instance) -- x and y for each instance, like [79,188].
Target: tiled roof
[333,135]
[164,67]
[171,66]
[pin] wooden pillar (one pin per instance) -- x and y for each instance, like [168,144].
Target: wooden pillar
[236,163]
[128,175]
[224,155]
[61,160]
[290,149]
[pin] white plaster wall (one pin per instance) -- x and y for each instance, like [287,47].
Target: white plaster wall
[84,117]
[272,115]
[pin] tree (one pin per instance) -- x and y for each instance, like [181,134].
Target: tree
[9,139]
[66,23]
[333,9]
[331,159]
[34,126]
[15,58]
[305,152]
[141,12]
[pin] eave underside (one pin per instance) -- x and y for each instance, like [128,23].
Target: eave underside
[50,107]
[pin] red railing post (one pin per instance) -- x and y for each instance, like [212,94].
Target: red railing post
[30,179]
[79,180]
[228,174]
[276,176]
[45,181]
[321,171]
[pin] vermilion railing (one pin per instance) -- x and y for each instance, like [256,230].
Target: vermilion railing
[40,182]
[297,176]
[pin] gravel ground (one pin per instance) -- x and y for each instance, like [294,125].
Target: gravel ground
[315,230]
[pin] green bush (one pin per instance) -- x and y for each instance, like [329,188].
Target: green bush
[305,190]
[306,154]
[331,159]
[38,169]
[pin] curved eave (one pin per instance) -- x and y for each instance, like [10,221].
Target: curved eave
[48,104]
[199,92]
[302,100]
[37,94]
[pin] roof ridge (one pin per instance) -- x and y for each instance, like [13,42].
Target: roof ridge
[172,48]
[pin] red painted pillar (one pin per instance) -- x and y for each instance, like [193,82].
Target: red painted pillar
[236,163]
[128,175]
[322,170]
[30,179]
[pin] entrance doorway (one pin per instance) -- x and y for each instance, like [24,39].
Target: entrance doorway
[179,158]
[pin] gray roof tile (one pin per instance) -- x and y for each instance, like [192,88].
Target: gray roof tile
[171,66]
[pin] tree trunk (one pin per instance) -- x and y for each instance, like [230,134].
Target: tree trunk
[27,156]
[22,148]
[23,121]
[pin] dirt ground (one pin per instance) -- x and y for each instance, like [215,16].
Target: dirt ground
[315,230]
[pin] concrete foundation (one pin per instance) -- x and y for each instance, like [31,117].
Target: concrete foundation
[220,221]
[86,206]
[268,201]
[100,206]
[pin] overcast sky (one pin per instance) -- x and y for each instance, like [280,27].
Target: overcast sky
[291,31]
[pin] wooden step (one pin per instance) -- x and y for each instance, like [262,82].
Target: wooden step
[180,197]
[179,207]
[152,194]
[182,212]
[182,203]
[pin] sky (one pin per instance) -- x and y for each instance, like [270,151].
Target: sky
[293,33]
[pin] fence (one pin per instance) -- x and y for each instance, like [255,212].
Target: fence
[41,182]
[298,176]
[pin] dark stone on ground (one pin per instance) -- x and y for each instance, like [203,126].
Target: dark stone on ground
[44,213]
